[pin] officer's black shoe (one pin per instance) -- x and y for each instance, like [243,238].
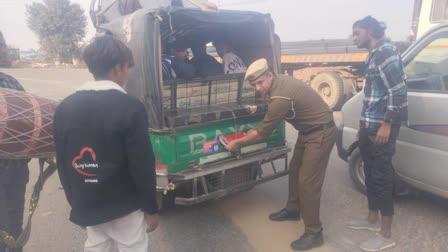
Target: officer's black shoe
[284,215]
[308,241]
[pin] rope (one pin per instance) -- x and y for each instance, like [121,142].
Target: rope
[170,187]
[23,238]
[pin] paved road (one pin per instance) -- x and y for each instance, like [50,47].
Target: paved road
[238,222]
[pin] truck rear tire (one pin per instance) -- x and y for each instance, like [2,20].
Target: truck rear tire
[330,87]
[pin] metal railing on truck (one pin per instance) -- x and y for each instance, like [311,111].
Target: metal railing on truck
[210,101]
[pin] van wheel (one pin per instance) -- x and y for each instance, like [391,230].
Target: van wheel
[358,176]
[330,87]
[356,167]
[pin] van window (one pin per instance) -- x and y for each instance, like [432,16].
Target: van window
[428,71]
[439,11]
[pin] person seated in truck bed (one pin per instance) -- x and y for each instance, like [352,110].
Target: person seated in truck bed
[175,64]
[204,64]
[232,63]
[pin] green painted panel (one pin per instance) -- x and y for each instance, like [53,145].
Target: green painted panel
[199,146]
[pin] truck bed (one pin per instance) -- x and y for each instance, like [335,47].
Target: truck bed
[329,46]
[335,51]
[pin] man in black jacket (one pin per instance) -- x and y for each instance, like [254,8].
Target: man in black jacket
[104,155]
[203,63]
[175,63]
[13,174]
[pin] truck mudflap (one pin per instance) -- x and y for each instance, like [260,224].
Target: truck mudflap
[227,177]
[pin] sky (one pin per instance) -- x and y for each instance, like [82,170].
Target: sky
[295,20]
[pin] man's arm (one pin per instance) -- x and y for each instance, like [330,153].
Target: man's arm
[141,161]
[58,140]
[250,137]
[277,110]
[394,78]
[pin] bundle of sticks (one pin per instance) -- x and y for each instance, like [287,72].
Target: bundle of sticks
[26,131]
[26,125]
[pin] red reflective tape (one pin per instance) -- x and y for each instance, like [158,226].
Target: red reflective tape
[161,166]
[234,136]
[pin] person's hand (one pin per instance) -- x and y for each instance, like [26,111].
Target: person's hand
[83,228]
[251,108]
[153,222]
[232,146]
[383,134]
[357,135]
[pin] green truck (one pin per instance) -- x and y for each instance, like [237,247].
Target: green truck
[190,121]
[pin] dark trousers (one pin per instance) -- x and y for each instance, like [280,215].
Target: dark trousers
[13,180]
[306,176]
[378,169]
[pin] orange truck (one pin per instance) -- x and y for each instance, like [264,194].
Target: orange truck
[334,68]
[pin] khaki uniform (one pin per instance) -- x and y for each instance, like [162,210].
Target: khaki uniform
[301,106]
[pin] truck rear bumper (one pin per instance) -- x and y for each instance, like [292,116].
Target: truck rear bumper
[263,157]
[227,191]
[259,174]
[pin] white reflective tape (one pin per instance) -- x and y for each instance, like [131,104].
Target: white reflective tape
[214,157]
[253,148]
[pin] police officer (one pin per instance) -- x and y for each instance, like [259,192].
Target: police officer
[291,100]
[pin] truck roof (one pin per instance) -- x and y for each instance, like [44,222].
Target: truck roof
[194,25]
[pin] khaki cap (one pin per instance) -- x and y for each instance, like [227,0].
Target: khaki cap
[256,70]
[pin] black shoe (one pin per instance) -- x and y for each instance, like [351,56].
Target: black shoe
[284,215]
[308,241]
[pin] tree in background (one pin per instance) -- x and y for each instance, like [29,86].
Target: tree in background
[59,25]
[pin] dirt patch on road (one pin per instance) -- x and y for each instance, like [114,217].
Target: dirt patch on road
[263,234]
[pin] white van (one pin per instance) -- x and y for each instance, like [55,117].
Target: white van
[421,158]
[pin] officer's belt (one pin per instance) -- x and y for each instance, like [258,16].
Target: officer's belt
[318,128]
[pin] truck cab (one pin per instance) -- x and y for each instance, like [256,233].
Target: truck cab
[191,120]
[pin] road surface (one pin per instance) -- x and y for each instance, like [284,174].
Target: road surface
[238,222]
